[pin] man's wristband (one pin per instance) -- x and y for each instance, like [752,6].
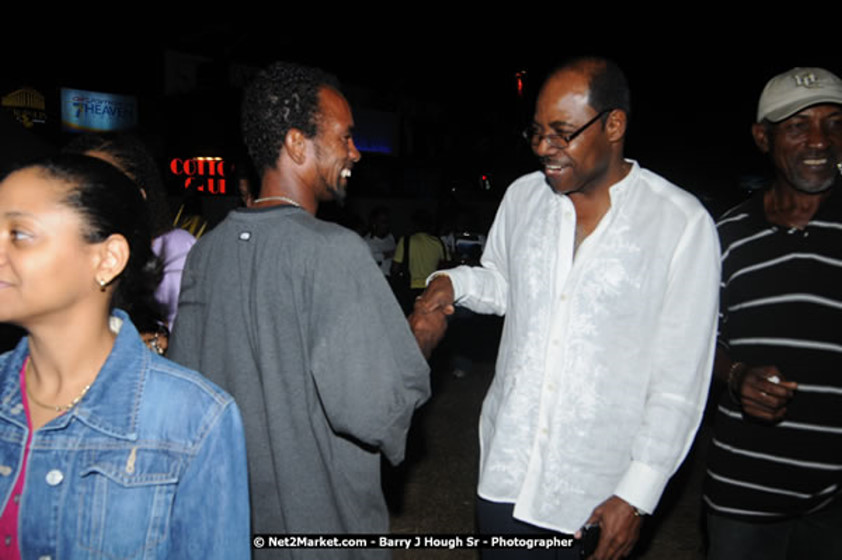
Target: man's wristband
[636,511]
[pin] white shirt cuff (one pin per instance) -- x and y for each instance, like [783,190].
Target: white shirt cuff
[456,280]
[642,486]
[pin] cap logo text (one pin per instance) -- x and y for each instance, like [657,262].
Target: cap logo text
[808,80]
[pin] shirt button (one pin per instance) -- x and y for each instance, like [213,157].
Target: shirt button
[45,557]
[16,409]
[16,499]
[563,297]
[54,477]
[5,470]
[8,540]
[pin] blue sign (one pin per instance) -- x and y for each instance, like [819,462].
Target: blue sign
[83,110]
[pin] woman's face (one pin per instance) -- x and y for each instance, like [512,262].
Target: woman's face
[46,266]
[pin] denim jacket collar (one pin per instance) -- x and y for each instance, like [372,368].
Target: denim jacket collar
[11,403]
[110,405]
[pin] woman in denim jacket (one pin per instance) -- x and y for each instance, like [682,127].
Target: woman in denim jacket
[107,450]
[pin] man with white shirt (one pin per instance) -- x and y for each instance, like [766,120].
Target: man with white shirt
[607,275]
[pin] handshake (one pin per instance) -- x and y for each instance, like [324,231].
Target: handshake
[428,320]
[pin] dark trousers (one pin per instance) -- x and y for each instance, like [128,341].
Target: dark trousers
[817,536]
[496,519]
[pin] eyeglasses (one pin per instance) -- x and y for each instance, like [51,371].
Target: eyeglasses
[560,141]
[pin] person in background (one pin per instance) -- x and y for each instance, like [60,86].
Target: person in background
[774,479]
[426,254]
[129,154]
[380,240]
[109,450]
[468,332]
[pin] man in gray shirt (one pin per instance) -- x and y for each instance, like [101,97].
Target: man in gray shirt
[291,315]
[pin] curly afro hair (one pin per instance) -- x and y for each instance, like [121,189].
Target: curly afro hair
[281,97]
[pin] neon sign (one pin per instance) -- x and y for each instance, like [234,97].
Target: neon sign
[204,174]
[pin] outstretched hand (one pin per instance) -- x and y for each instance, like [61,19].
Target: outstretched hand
[428,329]
[428,321]
[437,297]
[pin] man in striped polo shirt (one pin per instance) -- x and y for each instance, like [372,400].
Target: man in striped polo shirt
[775,466]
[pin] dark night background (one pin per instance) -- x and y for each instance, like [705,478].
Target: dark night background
[449,90]
[448,85]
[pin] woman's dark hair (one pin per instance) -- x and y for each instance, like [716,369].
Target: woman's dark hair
[108,203]
[135,160]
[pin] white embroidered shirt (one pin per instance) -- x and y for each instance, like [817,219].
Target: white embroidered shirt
[605,358]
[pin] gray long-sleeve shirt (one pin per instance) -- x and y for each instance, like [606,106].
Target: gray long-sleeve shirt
[291,315]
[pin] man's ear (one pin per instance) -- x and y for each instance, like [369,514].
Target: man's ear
[295,144]
[110,258]
[760,131]
[615,125]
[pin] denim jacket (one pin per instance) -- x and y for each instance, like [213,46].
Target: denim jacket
[151,463]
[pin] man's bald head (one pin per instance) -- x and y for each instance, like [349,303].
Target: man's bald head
[609,88]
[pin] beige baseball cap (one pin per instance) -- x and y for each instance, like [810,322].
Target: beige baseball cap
[797,89]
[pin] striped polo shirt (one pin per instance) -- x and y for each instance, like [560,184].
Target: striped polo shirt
[781,304]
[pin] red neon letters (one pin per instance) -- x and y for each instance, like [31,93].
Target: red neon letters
[203,174]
